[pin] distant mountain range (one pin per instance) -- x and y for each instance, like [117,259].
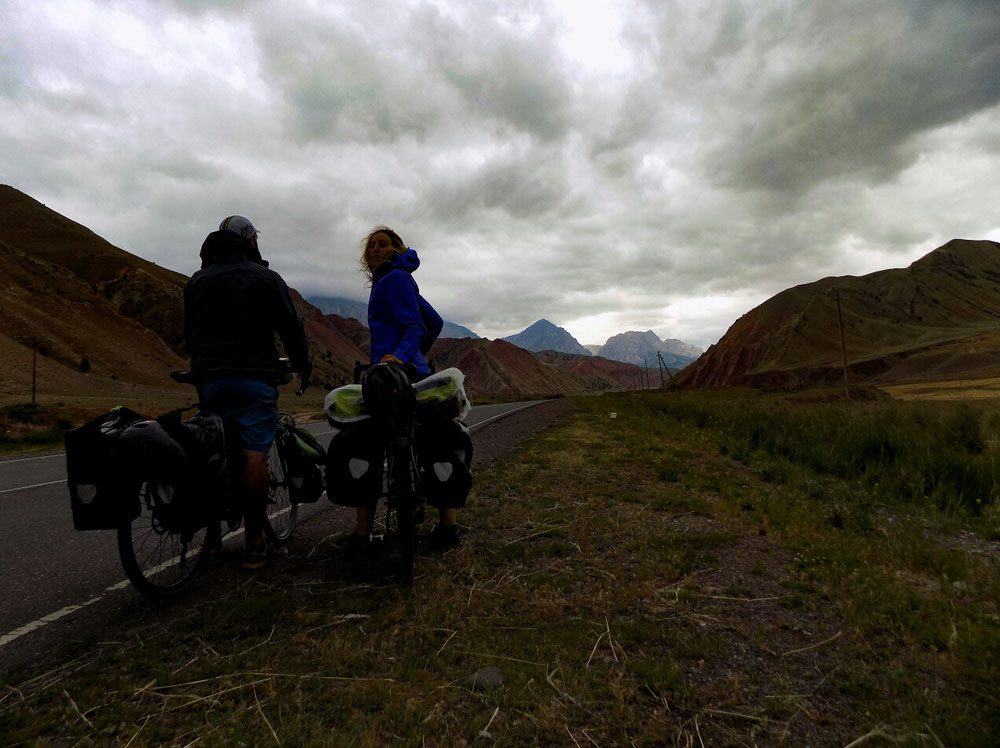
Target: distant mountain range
[545,336]
[351,309]
[938,319]
[639,348]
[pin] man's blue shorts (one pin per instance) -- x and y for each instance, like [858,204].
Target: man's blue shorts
[251,404]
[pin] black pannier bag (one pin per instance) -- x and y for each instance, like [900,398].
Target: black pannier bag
[204,441]
[102,494]
[303,456]
[444,451]
[108,460]
[153,456]
[354,462]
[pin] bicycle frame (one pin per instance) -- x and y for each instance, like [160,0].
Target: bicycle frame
[402,480]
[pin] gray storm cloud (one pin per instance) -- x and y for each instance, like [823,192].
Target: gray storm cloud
[666,170]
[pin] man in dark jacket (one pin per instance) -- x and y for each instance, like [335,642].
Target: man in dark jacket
[233,307]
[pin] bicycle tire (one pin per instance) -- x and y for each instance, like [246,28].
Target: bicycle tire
[403,494]
[162,563]
[281,513]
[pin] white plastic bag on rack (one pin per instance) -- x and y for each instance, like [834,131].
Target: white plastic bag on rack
[343,406]
[442,395]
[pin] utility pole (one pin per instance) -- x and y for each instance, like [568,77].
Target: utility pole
[34,368]
[665,367]
[659,360]
[843,348]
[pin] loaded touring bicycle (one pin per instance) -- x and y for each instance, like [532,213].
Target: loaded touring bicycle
[169,488]
[401,441]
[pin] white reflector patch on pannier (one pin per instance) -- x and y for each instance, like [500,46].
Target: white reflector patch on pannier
[443,471]
[86,492]
[357,467]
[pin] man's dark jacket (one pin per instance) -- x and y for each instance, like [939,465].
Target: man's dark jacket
[233,307]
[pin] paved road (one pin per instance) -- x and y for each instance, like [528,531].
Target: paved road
[51,573]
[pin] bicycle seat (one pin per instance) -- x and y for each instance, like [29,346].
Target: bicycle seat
[184,377]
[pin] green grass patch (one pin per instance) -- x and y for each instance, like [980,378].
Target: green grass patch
[30,427]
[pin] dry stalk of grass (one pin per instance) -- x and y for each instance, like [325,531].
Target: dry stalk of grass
[484,733]
[255,646]
[571,737]
[453,633]
[206,646]
[136,734]
[11,689]
[212,696]
[186,664]
[547,527]
[76,709]
[264,717]
[549,678]
[814,646]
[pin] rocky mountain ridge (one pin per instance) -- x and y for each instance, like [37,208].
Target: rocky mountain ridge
[939,318]
[641,348]
[545,336]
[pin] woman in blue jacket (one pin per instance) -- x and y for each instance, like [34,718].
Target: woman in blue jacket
[403,327]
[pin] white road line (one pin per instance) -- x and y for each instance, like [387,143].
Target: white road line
[37,485]
[26,459]
[501,415]
[45,620]
[27,629]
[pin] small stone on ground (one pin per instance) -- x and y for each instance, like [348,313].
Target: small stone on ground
[488,677]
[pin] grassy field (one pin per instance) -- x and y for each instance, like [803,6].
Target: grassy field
[662,569]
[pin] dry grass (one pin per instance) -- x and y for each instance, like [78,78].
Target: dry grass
[631,584]
[961,389]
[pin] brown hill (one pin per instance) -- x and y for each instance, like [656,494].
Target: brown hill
[333,352]
[939,317]
[496,367]
[107,322]
[77,297]
[599,373]
[86,346]
[134,287]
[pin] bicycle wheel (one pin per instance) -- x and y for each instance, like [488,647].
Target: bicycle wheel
[160,561]
[281,512]
[403,496]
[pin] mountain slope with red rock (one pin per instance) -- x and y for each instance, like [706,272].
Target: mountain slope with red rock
[105,322]
[497,367]
[939,317]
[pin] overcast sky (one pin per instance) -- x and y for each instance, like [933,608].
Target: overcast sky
[609,166]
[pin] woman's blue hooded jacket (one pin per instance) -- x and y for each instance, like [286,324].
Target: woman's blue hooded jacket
[400,319]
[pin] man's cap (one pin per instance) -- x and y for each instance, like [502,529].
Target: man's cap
[238,225]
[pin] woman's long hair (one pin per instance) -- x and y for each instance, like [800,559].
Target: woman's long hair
[397,244]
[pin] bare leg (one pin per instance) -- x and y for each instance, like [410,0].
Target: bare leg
[364,523]
[255,495]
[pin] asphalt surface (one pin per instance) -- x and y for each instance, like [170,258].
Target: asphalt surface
[58,585]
